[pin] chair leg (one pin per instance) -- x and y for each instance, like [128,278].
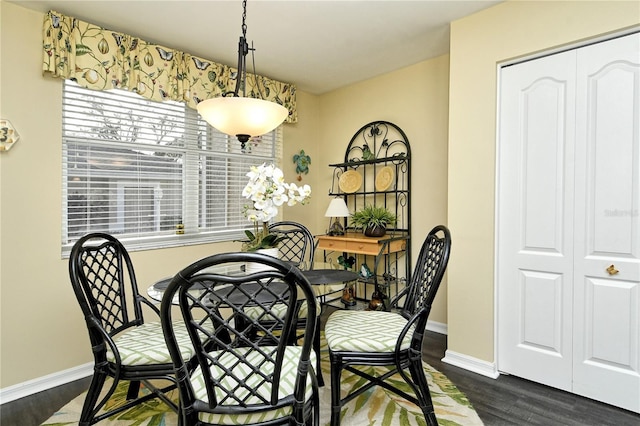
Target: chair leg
[421,388]
[134,390]
[336,405]
[316,412]
[89,408]
[315,417]
[316,348]
[431,419]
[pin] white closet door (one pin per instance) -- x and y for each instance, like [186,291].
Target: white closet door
[607,223]
[535,214]
[569,218]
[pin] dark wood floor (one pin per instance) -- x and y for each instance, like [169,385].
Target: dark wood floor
[505,401]
[35,409]
[509,400]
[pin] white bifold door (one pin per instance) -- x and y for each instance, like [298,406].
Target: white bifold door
[568,221]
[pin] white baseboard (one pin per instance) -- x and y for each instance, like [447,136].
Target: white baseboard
[40,384]
[475,365]
[437,327]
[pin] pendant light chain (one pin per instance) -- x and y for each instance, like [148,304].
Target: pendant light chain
[244,18]
[243,50]
[243,116]
[253,59]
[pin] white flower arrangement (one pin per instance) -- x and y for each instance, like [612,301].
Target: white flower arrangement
[268,191]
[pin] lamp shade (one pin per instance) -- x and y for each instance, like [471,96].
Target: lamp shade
[337,208]
[241,115]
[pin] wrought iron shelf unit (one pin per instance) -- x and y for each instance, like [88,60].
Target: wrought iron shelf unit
[376,171]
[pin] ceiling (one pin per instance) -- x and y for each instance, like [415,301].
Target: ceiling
[317,45]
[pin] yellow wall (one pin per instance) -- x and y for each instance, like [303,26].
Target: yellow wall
[416,99]
[38,312]
[478,43]
[304,136]
[41,329]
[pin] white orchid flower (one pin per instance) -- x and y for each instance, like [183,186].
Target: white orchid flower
[305,190]
[280,198]
[267,191]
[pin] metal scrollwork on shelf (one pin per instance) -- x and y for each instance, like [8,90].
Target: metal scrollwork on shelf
[378,141]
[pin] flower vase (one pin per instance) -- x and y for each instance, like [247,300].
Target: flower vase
[252,267]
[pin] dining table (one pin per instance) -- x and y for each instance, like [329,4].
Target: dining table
[328,284]
[324,279]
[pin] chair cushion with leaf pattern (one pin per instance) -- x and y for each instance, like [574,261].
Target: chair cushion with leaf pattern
[253,383]
[365,331]
[278,311]
[145,345]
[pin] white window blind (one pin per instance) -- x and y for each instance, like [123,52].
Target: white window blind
[136,168]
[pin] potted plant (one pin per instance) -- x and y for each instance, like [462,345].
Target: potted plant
[373,220]
[260,238]
[268,191]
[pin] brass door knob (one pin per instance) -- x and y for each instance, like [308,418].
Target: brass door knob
[612,270]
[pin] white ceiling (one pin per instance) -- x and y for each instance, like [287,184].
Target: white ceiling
[317,45]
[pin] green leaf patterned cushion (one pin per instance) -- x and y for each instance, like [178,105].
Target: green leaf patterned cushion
[145,345]
[278,310]
[304,311]
[252,381]
[365,331]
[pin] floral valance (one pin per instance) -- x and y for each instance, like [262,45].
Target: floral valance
[102,59]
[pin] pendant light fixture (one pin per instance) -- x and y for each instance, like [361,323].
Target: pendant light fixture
[236,114]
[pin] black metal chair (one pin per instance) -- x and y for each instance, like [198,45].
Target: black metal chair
[392,339]
[299,245]
[124,346]
[298,248]
[246,372]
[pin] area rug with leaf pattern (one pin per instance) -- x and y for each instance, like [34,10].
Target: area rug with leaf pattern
[376,407]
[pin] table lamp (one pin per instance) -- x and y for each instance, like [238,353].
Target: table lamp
[337,209]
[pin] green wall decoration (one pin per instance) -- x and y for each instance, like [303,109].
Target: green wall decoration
[302,162]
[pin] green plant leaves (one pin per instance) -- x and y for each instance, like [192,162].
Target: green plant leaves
[372,216]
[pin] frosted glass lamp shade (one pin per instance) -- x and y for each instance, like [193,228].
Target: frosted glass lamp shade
[242,117]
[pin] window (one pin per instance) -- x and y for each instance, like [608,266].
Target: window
[136,168]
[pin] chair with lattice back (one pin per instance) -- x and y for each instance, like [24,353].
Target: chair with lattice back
[358,340]
[124,346]
[298,248]
[248,371]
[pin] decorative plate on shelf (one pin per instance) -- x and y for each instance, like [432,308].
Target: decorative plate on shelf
[350,181]
[384,178]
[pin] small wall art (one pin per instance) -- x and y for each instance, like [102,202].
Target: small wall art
[8,135]
[302,161]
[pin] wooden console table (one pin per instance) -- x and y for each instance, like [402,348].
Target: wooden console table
[356,242]
[378,247]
